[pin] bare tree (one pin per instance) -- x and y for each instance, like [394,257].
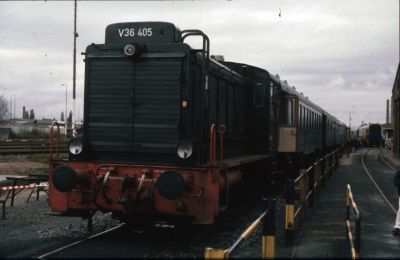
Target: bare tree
[3,108]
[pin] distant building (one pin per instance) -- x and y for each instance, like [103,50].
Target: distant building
[4,133]
[396,112]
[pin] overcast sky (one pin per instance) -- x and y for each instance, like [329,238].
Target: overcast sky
[343,55]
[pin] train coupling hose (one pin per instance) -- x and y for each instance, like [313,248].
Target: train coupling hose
[127,184]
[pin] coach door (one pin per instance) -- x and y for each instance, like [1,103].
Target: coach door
[287,124]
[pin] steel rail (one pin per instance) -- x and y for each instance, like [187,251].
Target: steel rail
[374,182]
[78,242]
[385,162]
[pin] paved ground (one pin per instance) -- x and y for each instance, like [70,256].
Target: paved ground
[324,231]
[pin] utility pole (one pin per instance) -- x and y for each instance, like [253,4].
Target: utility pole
[65,115]
[387,111]
[74,65]
[15,96]
[10,110]
[350,122]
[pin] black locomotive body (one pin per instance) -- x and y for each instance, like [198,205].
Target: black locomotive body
[375,136]
[165,130]
[140,108]
[170,131]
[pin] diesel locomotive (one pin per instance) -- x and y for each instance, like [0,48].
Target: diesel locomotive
[371,135]
[171,132]
[375,135]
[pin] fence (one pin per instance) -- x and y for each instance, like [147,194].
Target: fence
[355,247]
[267,219]
[305,186]
[14,185]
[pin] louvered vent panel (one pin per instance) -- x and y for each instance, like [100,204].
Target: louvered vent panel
[134,106]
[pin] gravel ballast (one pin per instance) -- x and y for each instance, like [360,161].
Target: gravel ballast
[29,228]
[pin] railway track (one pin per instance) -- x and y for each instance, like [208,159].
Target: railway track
[77,243]
[374,181]
[165,241]
[25,146]
[386,162]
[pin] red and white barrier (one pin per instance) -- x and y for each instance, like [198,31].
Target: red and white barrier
[30,186]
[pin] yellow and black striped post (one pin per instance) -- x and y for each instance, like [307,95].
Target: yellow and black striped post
[212,253]
[326,173]
[333,161]
[311,183]
[337,157]
[3,209]
[323,170]
[303,190]
[329,165]
[268,232]
[318,174]
[289,212]
[355,247]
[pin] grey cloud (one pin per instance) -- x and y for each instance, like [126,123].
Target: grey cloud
[331,50]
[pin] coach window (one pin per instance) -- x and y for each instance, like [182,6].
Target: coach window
[259,95]
[300,116]
[305,118]
[312,119]
[271,92]
[287,115]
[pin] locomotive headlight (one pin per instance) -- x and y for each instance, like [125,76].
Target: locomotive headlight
[185,150]
[129,50]
[75,146]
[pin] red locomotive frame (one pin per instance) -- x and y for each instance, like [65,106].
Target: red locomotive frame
[101,186]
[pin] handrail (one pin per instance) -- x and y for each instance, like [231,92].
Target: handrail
[205,52]
[206,40]
[51,139]
[267,219]
[213,140]
[355,247]
[221,130]
[308,181]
